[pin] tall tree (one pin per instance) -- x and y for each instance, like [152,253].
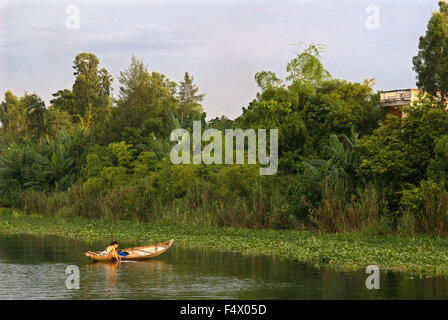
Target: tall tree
[143,102]
[35,113]
[306,66]
[189,99]
[266,79]
[64,100]
[13,117]
[144,90]
[431,61]
[24,117]
[92,87]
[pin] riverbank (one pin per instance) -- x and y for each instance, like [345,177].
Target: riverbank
[420,256]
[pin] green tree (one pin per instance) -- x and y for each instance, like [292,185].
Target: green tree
[64,100]
[144,90]
[293,142]
[293,134]
[12,115]
[401,150]
[270,109]
[122,153]
[24,117]
[55,167]
[336,106]
[306,66]
[383,155]
[431,61]
[58,122]
[266,79]
[143,95]
[438,167]
[189,98]
[35,114]
[92,88]
[16,165]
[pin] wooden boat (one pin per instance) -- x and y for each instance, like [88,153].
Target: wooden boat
[136,253]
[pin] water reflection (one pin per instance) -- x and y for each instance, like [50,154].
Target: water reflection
[110,270]
[152,268]
[34,268]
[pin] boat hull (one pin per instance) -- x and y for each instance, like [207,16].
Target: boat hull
[135,253]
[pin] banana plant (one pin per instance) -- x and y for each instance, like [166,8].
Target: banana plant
[15,164]
[53,164]
[181,123]
[340,161]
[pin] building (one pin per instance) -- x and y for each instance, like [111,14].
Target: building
[395,100]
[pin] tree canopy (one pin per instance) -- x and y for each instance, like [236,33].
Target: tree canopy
[343,164]
[431,61]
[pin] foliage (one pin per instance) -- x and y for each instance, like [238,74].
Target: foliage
[438,167]
[429,63]
[343,165]
[428,206]
[23,117]
[91,89]
[307,67]
[267,79]
[189,99]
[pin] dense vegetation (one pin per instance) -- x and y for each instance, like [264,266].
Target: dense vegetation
[344,165]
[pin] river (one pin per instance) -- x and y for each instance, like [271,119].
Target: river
[34,267]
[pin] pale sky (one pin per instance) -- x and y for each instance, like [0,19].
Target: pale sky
[221,43]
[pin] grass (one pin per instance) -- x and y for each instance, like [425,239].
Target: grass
[422,256]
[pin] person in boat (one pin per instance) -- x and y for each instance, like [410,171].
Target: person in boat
[112,250]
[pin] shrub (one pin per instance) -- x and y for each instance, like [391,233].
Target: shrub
[341,211]
[428,206]
[46,204]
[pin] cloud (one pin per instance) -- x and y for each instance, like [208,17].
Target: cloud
[222,43]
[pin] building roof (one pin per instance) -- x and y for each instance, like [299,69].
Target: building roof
[385,91]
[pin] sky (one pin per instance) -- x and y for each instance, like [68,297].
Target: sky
[221,43]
